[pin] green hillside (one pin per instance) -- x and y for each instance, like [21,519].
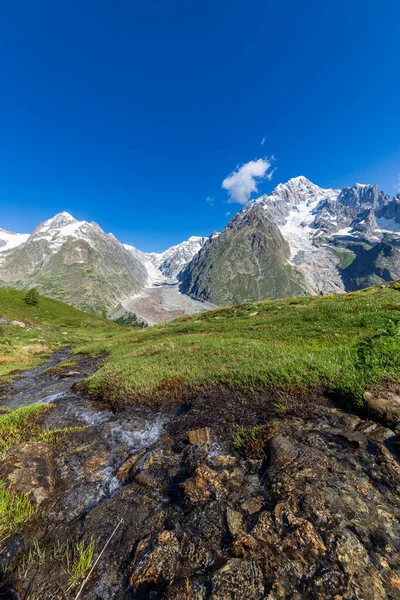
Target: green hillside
[341,344]
[42,329]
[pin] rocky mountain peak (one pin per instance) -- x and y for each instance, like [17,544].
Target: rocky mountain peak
[59,220]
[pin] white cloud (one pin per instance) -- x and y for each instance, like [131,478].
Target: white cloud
[241,183]
[228,213]
[210,200]
[263,141]
[397,186]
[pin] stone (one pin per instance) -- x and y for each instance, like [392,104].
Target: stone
[3,321]
[28,468]
[253,505]
[225,460]
[125,470]
[235,521]
[199,436]
[18,324]
[70,374]
[387,406]
[156,560]
[205,485]
[280,451]
[238,579]
[355,438]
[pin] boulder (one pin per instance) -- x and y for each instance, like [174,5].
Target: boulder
[18,324]
[28,468]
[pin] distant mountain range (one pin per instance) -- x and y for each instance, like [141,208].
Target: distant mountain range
[301,239]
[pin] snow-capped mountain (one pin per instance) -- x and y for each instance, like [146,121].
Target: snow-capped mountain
[10,240]
[323,236]
[78,262]
[74,261]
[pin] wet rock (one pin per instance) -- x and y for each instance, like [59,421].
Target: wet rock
[29,468]
[205,484]
[237,580]
[253,505]
[70,374]
[355,438]
[386,405]
[199,436]
[235,521]
[280,451]
[156,560]
[126,470]
[225,461]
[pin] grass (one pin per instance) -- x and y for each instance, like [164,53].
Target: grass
[15,509]
[79,560]
[48,326]
[22,425]
[343,343]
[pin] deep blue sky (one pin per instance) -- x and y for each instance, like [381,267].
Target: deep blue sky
[131,113]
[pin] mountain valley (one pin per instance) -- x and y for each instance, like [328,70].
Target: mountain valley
[299,240]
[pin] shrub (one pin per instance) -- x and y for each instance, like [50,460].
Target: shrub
[32,297]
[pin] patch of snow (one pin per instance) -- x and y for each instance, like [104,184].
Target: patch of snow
[10,240]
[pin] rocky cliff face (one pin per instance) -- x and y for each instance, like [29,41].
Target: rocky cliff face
[314,235]
[74,261]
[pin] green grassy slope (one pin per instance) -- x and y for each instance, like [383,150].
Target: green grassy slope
[48,326]
[343,343]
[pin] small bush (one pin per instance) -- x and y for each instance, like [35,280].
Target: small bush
[31,297]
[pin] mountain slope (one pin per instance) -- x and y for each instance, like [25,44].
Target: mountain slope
[314,236]
[74,261]
[247,261]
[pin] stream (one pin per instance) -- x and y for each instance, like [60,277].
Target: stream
[110,438]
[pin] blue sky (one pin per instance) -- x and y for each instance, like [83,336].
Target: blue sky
[132,113]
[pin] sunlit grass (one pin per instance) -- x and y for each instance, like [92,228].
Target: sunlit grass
[15,509]
[301,343]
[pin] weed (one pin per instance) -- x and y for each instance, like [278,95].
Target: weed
[15,509]
[79,560]
[250,441]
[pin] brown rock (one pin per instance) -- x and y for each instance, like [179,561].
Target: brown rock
[29,468]
[93,467]
[235,521]
[156,560]
[125,470]
[237,580]
[205,484]
[386,406]
[199,436]
[225,460]
[253,505]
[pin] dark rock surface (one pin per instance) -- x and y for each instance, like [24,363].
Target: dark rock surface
[316,516]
